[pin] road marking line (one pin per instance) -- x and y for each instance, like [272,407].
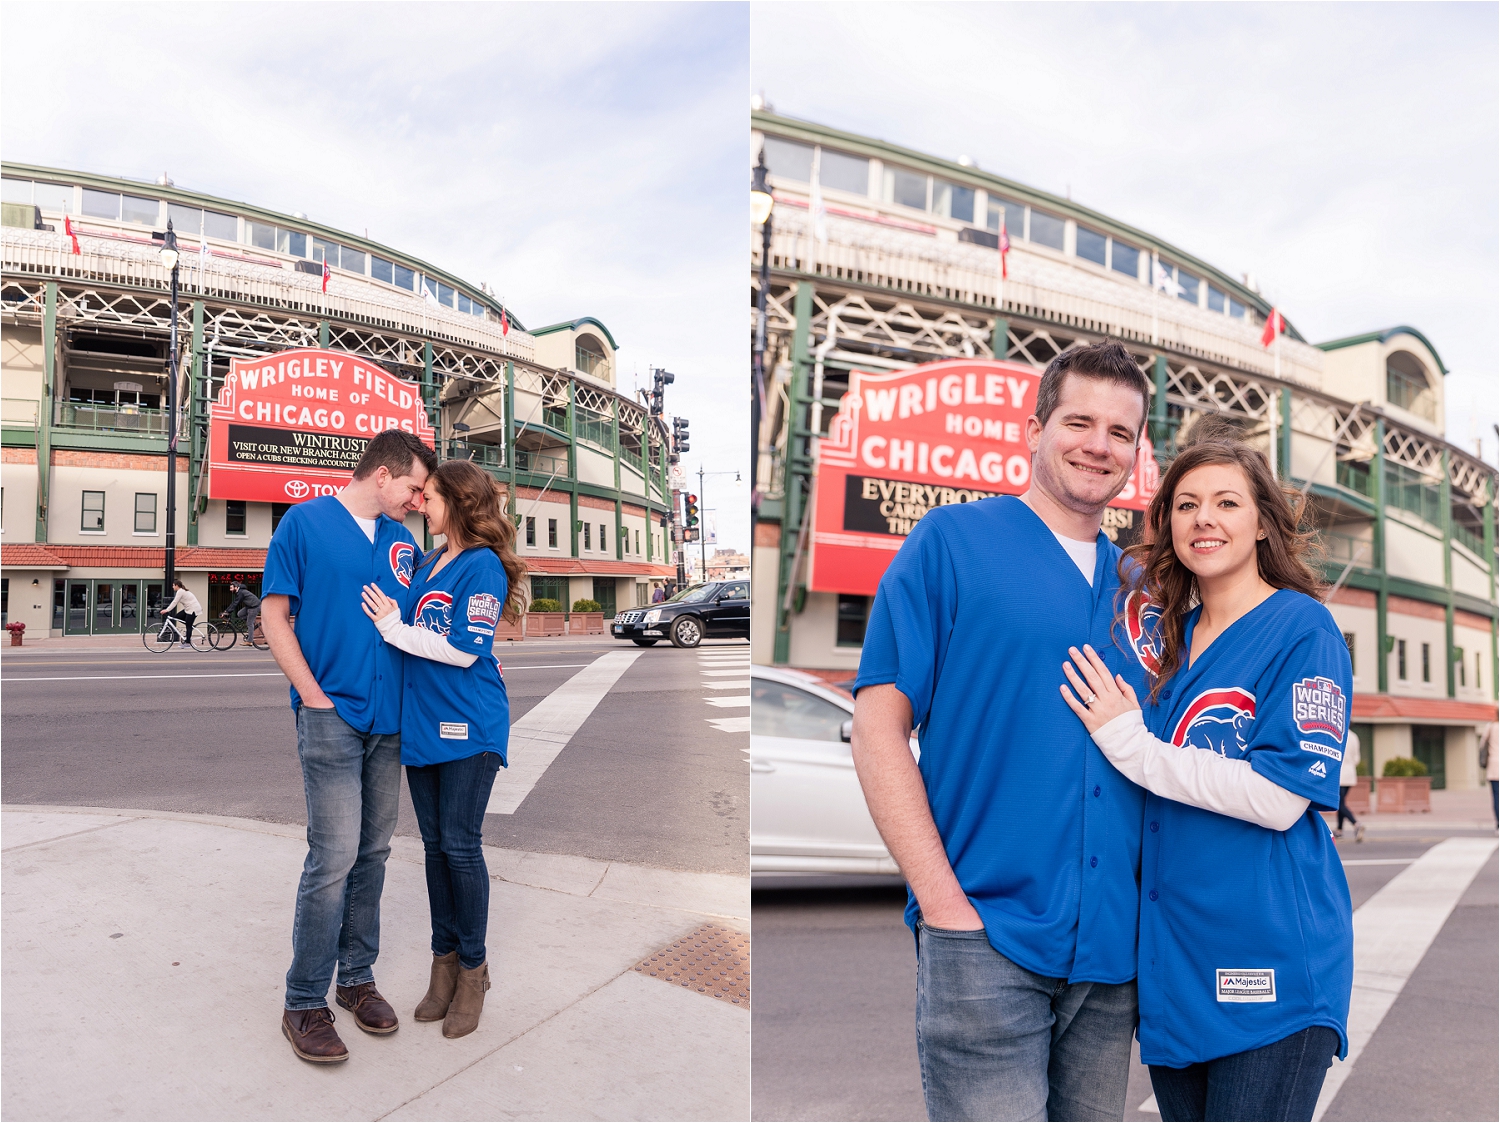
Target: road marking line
[736,684]
[1392,932]
[728,703]
[730,724]
[738,671]
[241,674]
[545,729]
[1150,1105]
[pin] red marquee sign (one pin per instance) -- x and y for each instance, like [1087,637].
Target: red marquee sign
[293,425]
[905,442]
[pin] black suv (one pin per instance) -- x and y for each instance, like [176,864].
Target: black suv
[718,609]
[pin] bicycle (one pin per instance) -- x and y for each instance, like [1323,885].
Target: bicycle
[172,631]
[230,629]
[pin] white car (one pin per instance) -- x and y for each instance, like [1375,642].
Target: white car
[807,811]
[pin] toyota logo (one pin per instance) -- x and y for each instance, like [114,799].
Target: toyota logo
[297,489]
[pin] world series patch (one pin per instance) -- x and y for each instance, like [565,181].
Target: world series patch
[1318,706]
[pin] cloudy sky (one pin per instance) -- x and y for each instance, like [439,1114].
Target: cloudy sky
[1345,154]
[583,159]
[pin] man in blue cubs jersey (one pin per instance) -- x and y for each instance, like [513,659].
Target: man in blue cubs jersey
[1019,842]
[346,689]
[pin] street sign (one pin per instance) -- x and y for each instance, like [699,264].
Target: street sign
[293,425]
[905,442]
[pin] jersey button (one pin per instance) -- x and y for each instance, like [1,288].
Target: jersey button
[1096,791]
[1167,694]
[1152,894]
[1155,826]
[1093,862]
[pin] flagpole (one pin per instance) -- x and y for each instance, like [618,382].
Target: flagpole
[1155,295]
[1276,393]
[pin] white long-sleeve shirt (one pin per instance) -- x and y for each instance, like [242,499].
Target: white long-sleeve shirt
[184,601]
[1196,777]
[421,642]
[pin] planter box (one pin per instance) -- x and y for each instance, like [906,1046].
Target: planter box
[1397,794]
[1358,798]
[586,624]
[508,631]
[546,623]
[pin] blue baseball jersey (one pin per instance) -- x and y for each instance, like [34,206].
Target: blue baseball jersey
[972,622]
[320,558]
[1247,934]
[452,713]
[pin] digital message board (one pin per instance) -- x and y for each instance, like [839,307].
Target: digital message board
[905,442]
[293,425]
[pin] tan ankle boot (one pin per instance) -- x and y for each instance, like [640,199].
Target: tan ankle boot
[468,1001]
[434,1006]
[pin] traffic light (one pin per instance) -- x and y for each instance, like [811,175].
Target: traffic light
[690,511]
[679,437]
[660,380]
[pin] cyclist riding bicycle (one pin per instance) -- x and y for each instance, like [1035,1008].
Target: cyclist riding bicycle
[184,607]
[245,606]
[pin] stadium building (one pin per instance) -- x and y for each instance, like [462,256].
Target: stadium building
[85,363]
[883,259]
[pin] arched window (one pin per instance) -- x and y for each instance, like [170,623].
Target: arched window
[589,356]
[1406,385]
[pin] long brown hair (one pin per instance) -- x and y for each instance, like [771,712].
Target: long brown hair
[476,517]
[1284,557]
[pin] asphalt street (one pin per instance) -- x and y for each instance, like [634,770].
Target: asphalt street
[647,778]
[835,987]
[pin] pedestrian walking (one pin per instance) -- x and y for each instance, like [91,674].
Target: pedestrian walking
[1348,777]
[346,695]
[184,606]
[1023,897]
[1491,766]
[455,721]
[1246,926]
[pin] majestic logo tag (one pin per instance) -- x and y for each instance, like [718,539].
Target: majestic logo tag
[1218,720]
[1321,750]
[1318,768]
[1246,986]
[1318,706]
[1143,625]
[484,609]
[453,730]
[434,612]
[403,563]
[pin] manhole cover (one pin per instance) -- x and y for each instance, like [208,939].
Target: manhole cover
[709,960]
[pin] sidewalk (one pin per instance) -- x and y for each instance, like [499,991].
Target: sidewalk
[1462,810]
[143,962]
[131,641]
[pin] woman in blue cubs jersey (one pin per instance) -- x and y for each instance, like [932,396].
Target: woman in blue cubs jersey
[1246,929]
[455,719]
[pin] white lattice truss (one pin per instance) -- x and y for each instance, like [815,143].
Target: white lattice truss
[897,331]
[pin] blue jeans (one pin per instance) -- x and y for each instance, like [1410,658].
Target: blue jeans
[998,1042]
[353,784]
[449,800]
[1279,1081]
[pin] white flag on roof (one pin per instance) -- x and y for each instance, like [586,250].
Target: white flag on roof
[819,211]
[427,293]
[1161,277]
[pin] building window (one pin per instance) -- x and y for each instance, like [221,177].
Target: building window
[1426,662]
[603,537]
[849,173]
[1236,309]
[278,511]
[854,613]
[551,588]
[789,160]
[1046,229]
[93,512]
[1125,259]
[530,531]
[1463,678]
[1406,386]
[381,269]
[1349,643]
[1215,300]
[1091,245]
[1478,683]
[552,533]
[588,536]
[906,189]
[638,542]
[1401,658]
[234,516]
[145,512]
[1189,289]
[1015,218]
[952,201]
[405,278]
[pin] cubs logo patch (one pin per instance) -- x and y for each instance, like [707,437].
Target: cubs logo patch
[434,612]
[1143,628]
[1218,720]
[484,609]
[1318,706]
[403,563]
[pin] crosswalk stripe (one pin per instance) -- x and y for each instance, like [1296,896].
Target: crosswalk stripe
[545,730]
[724,673]
[733,684]
[730,724]
[726,703]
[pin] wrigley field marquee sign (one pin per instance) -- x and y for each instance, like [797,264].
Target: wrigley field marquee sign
[905,442]
[293,425]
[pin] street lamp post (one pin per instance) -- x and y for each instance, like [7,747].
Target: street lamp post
[169,256]
[761,204]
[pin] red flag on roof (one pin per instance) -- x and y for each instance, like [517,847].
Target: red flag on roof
[68,230]
[1004,248]
[326,274]
[504,321]
[1275,325]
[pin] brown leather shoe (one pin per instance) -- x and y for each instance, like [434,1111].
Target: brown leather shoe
[372,1013]
[439,996]
[468,1001]
[312,1035]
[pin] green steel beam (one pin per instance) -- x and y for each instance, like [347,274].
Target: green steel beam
[999,338]
[197,433]
[798,471]
[1383,642]
[1445,501]
[1284,446]
[1159,404]
[1489,558]
[619,515]
[322,333]
[44,409]
[573,464]
[510,432]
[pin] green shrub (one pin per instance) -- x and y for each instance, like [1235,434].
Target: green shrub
[545,604]
[586,605]
[1404,766]
[1361,769]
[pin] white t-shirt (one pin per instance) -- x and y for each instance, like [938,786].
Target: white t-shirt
[1084,554]
[1349,768]
[366,525]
